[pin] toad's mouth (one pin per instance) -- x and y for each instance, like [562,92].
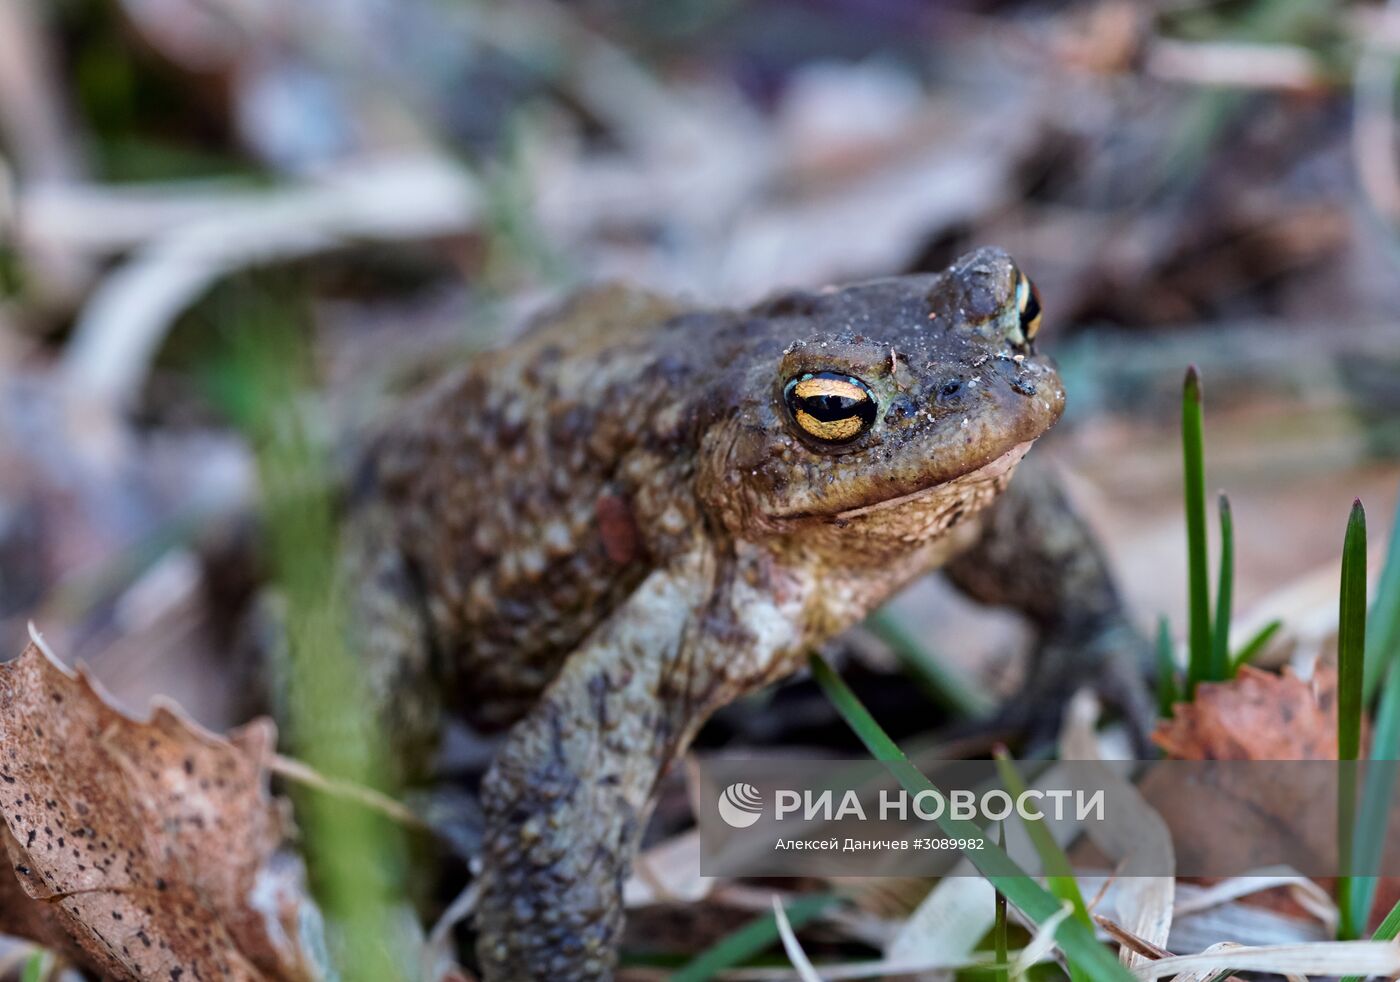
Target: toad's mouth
[991,476]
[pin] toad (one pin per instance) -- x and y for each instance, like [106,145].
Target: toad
[601,534]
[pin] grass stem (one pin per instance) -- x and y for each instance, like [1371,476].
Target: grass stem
[1251,648]
[752,939]
[1197,570]
[1383,635]
[944,685]
[1385,931]
[1225,595]
[1059,875]
[1082,950]
[1002,974]
[1167,692]
[1351,653]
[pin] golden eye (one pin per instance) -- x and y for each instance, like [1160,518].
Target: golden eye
[829,406]
[1028,306]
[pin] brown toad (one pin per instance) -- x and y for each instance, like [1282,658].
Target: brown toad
[605,532]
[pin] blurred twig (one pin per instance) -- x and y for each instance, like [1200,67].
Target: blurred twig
[614,86]
[1282,67]
[7,200]
[294,770]
[124,323]
[438,951]
[1373,133]
[103,220]
[38,135]
[32,114]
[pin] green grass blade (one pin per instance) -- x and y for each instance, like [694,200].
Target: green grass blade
[1003,971]
[752,939]
[1382,643]
[1167,693]
[1253,646]
[1351,636]
[1078,943]
[945,686]
[1386,931]
[1059,874]
[1225,595]
[1369,843]
[1383,636]
[1390,927]
[1197,571]
[36,967]
[1351,653]
[356,859]
[1376,796]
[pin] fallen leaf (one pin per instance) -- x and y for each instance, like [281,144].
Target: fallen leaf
[142,849]
[1256,716]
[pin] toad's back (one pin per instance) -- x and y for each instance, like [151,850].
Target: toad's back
[519,501]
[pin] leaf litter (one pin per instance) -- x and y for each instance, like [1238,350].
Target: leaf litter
[144,849]
[1256,716]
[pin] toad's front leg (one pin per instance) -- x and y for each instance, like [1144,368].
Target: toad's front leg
[1036,555]
[569,793]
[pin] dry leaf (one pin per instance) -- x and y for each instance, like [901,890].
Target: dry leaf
[143,850]
[1321,958]
[1256,716]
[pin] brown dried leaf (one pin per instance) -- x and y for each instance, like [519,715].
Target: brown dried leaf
[1256,716]
[143,850]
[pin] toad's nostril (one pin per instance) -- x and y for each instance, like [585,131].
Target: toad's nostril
[901,407]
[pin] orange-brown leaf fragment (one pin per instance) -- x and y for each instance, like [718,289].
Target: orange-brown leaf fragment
[1256,716]
[142,849]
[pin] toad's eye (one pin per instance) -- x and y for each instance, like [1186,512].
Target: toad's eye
[1028,306]
[829,406]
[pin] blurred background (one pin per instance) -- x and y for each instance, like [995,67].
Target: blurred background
[394,183]
[363,188]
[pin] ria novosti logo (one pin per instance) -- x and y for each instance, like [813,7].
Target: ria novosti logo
[740,805]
